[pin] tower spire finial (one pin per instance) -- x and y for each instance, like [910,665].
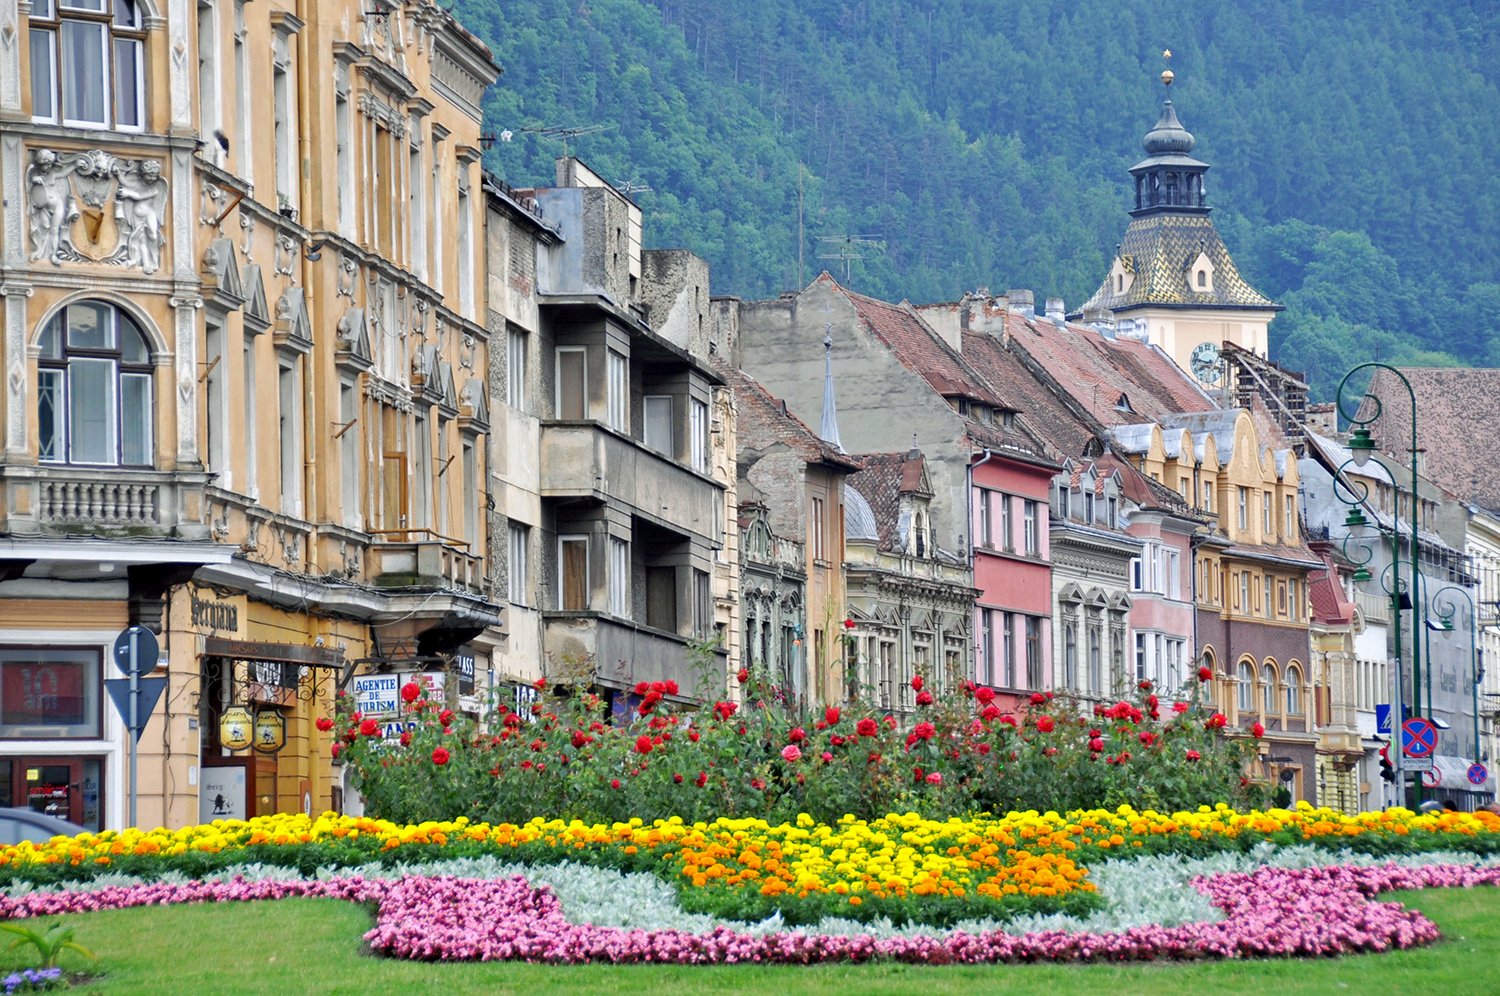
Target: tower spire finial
[829,429]
[1167,76]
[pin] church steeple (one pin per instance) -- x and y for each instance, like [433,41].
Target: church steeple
[1169,179]
[829,429]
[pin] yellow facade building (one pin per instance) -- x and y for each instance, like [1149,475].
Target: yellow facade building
[245,366]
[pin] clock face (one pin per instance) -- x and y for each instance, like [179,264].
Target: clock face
[1205,362]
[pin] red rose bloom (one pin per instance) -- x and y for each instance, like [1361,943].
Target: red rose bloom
[445,717]
[831,715]
[1096,745]
[916,683]
[701,780]
[1037,698]
[1193,755]
[440,756]
[848,623]
[924,731]
[1215,722]
[797,735]
[867,727]
[405,738]
[984,695]
[924,698]
[410,692]
[614,783]
[743,675]
[990,713]
[670,686]
[324,723]
[1045,724]
[1205,673]
[1179,707]
[643,745]
[369,728]
[934,778]
[335,749]
[1257,731]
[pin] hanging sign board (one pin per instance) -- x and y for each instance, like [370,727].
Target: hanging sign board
[270,731]
[235,728]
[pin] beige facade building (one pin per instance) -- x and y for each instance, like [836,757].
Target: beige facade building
[245,358]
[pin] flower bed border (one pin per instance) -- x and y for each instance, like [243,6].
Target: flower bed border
[1273,912]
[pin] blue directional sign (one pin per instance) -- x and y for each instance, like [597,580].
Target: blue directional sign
[1383,717]
[149,690]
[1478,774]
[1418,738]
[146,650]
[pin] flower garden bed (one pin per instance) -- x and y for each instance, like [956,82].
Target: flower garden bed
[995,889]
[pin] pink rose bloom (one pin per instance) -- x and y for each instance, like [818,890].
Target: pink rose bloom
[934,778]
[791,752]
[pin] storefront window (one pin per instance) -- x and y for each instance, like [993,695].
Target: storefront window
[49,693]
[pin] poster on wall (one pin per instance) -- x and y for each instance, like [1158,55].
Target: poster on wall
[43,693]
[221,794]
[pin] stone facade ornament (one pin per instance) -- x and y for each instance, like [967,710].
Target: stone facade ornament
[90,207]
[286,255]
[348,273]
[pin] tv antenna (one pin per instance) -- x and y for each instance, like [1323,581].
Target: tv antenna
[565,132]
[631,187]
[848,248]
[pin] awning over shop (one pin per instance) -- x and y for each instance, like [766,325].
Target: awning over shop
[1451,774]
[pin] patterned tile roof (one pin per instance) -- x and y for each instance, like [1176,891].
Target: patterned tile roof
[1457,422]
[1159,250]
[885,477]
[764,420]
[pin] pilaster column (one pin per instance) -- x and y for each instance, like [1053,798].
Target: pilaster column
[17,409]
[185,348]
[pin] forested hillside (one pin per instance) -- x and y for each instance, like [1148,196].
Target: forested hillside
[986,143]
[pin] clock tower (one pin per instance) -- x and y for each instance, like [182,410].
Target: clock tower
[1172,281]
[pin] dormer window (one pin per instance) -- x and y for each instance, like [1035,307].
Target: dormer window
[1202,274]
[1122,404]
[1008,420]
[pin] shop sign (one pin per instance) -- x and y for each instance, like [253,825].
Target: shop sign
[434,685]
[463,664]
[274,674]
[377,694]
[235,728]
[392,729]
[221,794]
[213,615]
[270,731]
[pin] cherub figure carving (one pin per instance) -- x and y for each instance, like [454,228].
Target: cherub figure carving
[50,200]
[140,207]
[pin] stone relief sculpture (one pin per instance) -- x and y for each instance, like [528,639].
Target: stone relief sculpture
[140,209]
[50,202]
[68,195]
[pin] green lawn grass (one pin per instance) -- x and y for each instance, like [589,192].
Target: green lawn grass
[314,946]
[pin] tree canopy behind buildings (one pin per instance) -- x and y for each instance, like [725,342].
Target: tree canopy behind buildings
[987,144]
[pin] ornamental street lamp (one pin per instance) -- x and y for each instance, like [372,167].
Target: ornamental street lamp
[1361,445]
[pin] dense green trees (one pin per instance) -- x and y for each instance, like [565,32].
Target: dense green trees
[987,143]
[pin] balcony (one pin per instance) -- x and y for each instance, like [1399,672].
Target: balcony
[102,501]
[586,460]
[621,653]
[406,557]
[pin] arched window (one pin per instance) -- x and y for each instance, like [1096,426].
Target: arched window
[1268,690]
[1246,697]
[88,63]
[1293,690]
[94,388]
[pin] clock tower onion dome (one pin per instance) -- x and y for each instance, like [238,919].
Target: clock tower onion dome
[1172,281]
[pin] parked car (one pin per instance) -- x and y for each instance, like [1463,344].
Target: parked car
[18,823]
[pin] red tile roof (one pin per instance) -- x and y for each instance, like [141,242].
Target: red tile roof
[1330,604]
[1041,410]
[1457,421]
[765,420]
[882,482]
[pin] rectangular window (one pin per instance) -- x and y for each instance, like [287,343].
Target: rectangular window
[1033,652]
[1064,502]
[1113,506]
[245,152]
[439,246]
[1096,658]
[281,105]
[1007,525]
[1030,526]
[248,430]
[1208,496]
[515,368]
[343,162]
[129,84]
[465,223]
[348,435]
[1070,654]
[619,577]
[393,468]
[1294,598]
[422,469]
[289,402]
[209,115]
[1008,650]
[1162,584]
[985,528]
[1289,518]
[572,383]
[985,669]
[1157,645]
[661,598]
[1269,603]
[416,200]
[1267,506]
[1088,507]
[49,694]
[518,577]
[85,73]
[443,467]
[573,573]
[43,75]
[657,423]
[698,433]
[1137,574]
[818,530]
[1185,488]
[215,413]
[1174,571]
[617,407]
[135,420]
[703,604]
[470,461]
[1140,657]
[1243,602]
[1244,519]
[91,410]
[50,406]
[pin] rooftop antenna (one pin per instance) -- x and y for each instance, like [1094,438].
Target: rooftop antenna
[630,187]
[850,248]
[565,132]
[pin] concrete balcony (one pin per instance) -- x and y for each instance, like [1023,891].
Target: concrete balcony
[586,460]
[619,653]
[399,559]
[58,499]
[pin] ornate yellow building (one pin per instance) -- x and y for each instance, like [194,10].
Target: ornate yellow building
[244,342]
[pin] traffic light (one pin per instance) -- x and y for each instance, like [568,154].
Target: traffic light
[1387,769]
